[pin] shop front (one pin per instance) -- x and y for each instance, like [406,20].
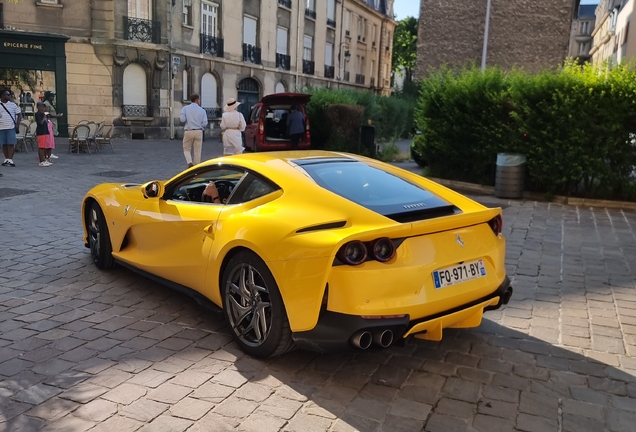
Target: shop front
[32,64]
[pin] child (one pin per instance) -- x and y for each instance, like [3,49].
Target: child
[43,133]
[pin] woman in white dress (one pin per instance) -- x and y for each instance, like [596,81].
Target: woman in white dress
[233,123]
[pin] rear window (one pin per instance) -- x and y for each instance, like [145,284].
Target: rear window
[377,190]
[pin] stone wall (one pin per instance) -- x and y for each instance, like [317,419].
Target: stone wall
[532,34]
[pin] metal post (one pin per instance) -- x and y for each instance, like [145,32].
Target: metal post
[484,52]
[170,71]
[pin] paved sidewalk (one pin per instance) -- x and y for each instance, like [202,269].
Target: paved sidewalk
[82,349]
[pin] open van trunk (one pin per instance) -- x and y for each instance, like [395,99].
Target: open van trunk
[276,123]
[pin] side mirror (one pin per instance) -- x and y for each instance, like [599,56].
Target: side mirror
[152,189]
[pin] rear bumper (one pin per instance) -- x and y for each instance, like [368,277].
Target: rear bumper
[337,331]
[276,146]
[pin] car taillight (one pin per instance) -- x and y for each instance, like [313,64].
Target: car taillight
[261,127]
[496,224]
[353,253]
[307,126]
[383,249]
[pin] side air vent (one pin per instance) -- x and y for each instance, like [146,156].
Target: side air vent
[331,225]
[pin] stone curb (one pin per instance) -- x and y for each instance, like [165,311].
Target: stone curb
[471,187]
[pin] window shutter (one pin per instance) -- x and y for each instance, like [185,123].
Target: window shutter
[281,40]
[329,54]
[208,91]
[135,89]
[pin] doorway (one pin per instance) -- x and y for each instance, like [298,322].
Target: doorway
[248,95]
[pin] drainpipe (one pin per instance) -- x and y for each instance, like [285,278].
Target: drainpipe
[342,9]
[299,48]
[170,71]
[484,52]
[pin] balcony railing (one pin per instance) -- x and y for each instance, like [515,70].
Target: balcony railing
[211,45]
[347,33]
[213,113]
[283,61]
[310,14]
[329,71]
[346,76]
[308,67]
[331,23]
[251,54]
[142,30]
[285,3]
[136,111]
[360,79]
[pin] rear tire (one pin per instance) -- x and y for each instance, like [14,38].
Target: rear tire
[99,237]
[254,307]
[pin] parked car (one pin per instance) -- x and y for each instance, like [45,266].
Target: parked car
[321,250]
[267,123]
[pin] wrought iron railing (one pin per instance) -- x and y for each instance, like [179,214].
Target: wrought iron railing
[359,79]
[331,23]
[310,13]
[211,45]
[285,3]
[347,33]
[251,54]
[283,61]
[329,71]
[213,113]
[136,111]
[308,67]
[346,76]
[142,30]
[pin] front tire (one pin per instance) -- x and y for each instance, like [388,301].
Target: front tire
[99,238]
[254,307]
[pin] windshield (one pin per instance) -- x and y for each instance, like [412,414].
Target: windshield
[375,189]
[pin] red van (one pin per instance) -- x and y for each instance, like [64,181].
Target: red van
[267,123]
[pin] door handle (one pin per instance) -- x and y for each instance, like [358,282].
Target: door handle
[209,230]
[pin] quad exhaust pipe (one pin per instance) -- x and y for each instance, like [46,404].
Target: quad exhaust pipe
[362,340]
[383,338]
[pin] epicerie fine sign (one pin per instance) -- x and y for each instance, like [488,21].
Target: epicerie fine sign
[19,45]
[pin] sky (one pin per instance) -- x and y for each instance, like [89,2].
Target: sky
[406,8]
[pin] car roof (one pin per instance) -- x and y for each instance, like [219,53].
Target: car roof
[286,98]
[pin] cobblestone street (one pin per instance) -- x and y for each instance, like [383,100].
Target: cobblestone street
[82,349]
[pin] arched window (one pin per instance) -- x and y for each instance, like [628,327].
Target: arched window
[135,91]
[280,88]
[208,91]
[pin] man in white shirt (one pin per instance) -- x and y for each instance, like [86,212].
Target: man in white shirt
[10,118]
[233,123]
[195,119]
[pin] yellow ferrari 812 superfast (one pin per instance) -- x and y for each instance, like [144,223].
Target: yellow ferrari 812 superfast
[320,250]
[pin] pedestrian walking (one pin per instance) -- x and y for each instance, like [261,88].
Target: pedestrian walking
[44,132]
[295,126]
[233,123]
[9,125]
[195,120]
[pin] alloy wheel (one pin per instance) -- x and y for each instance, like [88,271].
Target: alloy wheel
[248,302]
[94,235]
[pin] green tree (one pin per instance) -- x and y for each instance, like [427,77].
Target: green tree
[405,47]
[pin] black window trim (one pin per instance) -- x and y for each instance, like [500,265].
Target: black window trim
[169,187]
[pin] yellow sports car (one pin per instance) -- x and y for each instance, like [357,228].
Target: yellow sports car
[314,249]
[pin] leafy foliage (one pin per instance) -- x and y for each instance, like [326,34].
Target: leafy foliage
[574,125]
[405,46]
[391,116]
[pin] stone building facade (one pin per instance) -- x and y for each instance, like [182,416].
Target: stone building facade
[134,63]
[605,47]
[529,34]
[581,33]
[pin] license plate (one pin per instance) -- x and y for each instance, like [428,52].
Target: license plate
[459,273]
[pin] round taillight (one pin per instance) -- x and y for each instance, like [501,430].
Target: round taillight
[353,253]
[496,224]
[383,249]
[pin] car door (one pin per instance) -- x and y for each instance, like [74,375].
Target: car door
[173,235]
